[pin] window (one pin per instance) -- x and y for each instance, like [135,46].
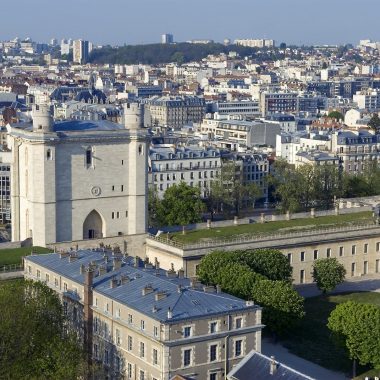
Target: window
[365,267]
[39,274]
[142,350]
[95,352]
[96,324]
[155,356]
[117,215]
[238,344]
[315,254]
[238,323]
[64,307]
[142,325]
[328,252]
[377,247]
[122,187]
[302,258]
[155,331]
[117,337]
[213,376]
[341,251]
[88,157]
[289,257]
[106,357]
[353,249]
[129,371]
[64,287]
[130,318]
[302,276]
[366,248]
[353,269]
[187,331]
[187,357]
[113,215]
[56,282]
[213,327]
[142,375]
[213,352]
[49,154]
[130,343]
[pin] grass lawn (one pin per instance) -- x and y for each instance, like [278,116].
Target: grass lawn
[13,255]
[269,227]
[311,339]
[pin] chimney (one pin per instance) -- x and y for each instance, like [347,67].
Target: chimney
[62,255]
[72,257]
[249,303]
[154,309]
[156,263]
[137,261]
[116,263]
[82,268]
[88,276]
[181,273]
[179,289]
[102,270]
[113,283]
[218,289]
[273,365]
[170,313]
[147,289]
[124,279]
[159,295]
[209,289]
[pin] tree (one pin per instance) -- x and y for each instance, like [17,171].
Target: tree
[238,280]
[154,205]
[335,115]
[228,190]
[357,327]
[374,123]
[181,205]
[328,273]
[270,263]
[35,339]
[282,305]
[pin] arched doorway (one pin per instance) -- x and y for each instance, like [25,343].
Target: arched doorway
[93,226]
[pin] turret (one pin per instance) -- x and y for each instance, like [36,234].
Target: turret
[133,116]
[42,119]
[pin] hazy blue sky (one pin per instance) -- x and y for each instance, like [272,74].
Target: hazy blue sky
[143,21]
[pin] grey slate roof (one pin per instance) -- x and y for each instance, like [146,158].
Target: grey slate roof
[87,125]
[256,366]
[185,302]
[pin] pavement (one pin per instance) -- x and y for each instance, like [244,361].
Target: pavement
[368,283]
[306,367]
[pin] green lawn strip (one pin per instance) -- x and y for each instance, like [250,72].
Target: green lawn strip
[270,227]
[14,255]
[311,339]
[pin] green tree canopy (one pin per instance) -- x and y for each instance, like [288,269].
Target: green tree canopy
[328,273]
[35,342]
[283,306]
[270,263]
[374,123]
[336,115]
[181,205]
[357,327]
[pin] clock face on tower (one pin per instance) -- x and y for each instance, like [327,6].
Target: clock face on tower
[96,191]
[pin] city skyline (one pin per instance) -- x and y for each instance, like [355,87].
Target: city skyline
[287,21]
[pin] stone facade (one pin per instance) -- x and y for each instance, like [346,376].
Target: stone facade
[78,180]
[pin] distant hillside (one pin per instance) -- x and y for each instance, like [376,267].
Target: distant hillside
[164,53]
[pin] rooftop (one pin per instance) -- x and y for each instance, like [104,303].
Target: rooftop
[164,289]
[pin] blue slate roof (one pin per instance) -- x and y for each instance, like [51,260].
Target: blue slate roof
[257,366]
[87,125]
[185,302]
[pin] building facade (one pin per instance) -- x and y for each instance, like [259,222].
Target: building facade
[144,323]
[78,180]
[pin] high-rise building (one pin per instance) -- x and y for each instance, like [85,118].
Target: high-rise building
[81,51]
[167,39]
[65,47]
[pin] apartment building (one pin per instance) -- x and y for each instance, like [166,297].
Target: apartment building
[278,102]
[368,100]
[173,112]
[247,108]
[259,43]
[246,133]
[355,149]
[144,323]
[193,165]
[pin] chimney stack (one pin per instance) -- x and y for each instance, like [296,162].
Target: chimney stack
[170,313]
[273,365]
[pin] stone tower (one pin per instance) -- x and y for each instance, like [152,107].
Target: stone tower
[137,168]
[42,119]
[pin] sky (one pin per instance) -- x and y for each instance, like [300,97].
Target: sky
[116,22]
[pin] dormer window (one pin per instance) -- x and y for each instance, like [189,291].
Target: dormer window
[89,157]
